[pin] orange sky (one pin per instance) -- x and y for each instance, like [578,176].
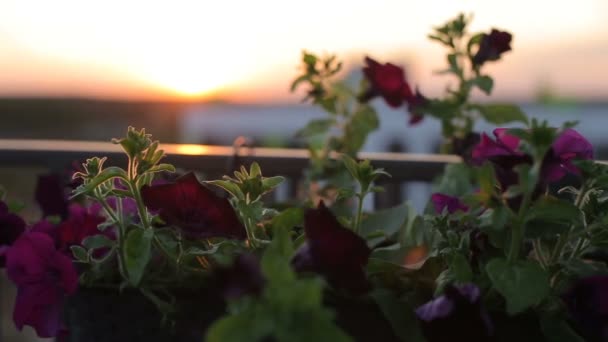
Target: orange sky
[248,51]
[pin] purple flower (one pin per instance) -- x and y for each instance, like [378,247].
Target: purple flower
[570,145]
[243,277]
[504,154]
[492,46]
[587,303]
[11,227]
[51,195]
[333,251]
[452,204]
[44,276]
[457,312]
[193,208]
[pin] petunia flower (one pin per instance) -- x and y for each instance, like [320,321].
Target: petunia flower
[458,312]
[333,251]
[51,196]
[194,209]
[492,46]
[442,202]
[570,145]
[243,277]
[388,81]
[44,277]
[587,303]
[504,154]
[11,227]
[80,224]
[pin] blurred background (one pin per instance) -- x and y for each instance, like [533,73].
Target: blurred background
[207,72]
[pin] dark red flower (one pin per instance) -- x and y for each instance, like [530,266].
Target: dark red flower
[463,147]
[570,145]
[44,276]
[443,202]
[11,227]
[193,208]
[415,105]
[333,251]
[492,46]
[51,195]
[458,312]
[80,224]
[243,277]
[388,81]
[587,303]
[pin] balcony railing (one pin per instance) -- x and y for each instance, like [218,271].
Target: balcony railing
[213,160]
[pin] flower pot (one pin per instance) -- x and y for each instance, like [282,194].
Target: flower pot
[104,315]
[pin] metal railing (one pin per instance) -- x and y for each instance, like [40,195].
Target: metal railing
[214,159]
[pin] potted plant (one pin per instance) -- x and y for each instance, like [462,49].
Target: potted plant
[511,247]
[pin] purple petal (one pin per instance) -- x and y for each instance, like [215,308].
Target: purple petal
[452,204]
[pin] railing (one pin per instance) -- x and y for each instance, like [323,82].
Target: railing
[216,160]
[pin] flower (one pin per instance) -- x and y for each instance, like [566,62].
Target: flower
[386,80]
[457,312]
[414,106]
[243,277]
[193,208]
[452,204]
[44,276]
[568,146]
[11,227]
[333,251]
[492,46]
[80,224]
[587,303]
[50,195]
[505,155]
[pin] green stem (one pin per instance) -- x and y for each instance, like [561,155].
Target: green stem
[538,251]
[141,208]
[563,239]
[118,219]
[359,216]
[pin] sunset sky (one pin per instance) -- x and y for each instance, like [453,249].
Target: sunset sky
[248,51]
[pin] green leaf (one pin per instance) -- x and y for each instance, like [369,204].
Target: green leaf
[229,186]
[288,218]
[400,315]
[161,168]
[522,284]
[390,221]
[501,113]
[239,328]
[269,183]
[79,253]
[553,209]
[97,241]
[137,250]
[461,270]
[104,176]
[484,83]
[558,330]
[316,127]
[351,166]
[362,123]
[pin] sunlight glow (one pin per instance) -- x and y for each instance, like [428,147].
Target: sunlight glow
[192,149]
[199,48]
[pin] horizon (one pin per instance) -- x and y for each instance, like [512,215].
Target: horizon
[66,49]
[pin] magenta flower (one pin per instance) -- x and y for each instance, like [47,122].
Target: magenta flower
[458,312]
[569,146]
[333,251]
[11,227]
[193,208]
[44,277]
[443,202]
[80,224]
[504,154]
[492,46]
[587,303]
